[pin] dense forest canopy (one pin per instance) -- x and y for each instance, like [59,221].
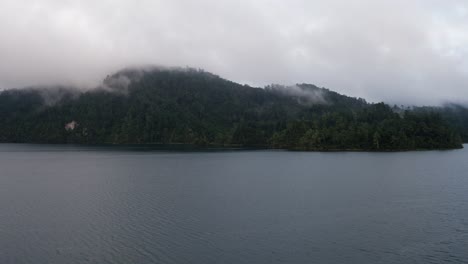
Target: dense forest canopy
[189,106]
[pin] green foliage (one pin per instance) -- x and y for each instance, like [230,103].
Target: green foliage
[194,107]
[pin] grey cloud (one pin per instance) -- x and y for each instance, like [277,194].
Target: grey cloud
[412,51]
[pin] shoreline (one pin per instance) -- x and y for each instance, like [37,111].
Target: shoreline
[194,147]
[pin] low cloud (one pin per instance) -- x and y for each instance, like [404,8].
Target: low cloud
[304,94]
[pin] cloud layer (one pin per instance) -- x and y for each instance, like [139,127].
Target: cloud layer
[413,51]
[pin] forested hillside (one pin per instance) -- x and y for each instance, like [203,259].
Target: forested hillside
[191,106]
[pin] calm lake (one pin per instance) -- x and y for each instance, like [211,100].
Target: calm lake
[71,204]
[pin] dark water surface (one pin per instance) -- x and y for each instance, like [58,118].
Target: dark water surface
[68,204]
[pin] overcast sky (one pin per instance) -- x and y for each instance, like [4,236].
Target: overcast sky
[399,51]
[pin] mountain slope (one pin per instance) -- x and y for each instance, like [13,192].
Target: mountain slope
[159,105]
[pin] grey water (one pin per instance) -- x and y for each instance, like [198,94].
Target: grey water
[72,204]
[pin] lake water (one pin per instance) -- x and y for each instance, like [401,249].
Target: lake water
[69,204]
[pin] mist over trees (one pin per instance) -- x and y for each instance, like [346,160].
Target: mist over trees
[189,106]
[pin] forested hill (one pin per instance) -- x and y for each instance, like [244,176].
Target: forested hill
[189,106]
